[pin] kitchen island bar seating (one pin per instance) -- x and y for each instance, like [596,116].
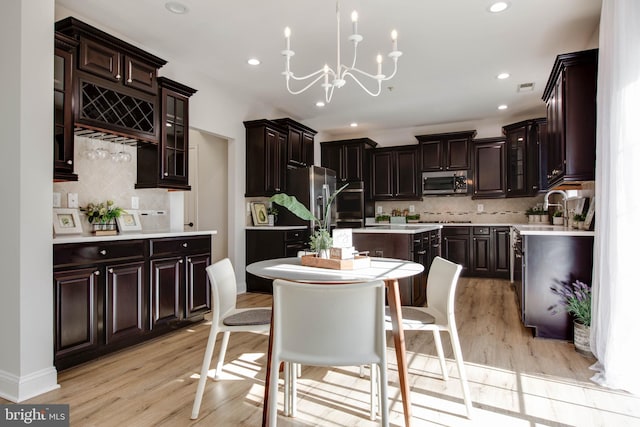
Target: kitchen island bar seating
[226,318]
[387,269]
[328,325]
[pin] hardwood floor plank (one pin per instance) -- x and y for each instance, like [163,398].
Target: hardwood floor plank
[515,380]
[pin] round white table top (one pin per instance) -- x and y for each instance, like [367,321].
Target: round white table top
[291,269]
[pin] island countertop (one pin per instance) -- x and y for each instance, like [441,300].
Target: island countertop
[87,238]
[550,230]
[399,228]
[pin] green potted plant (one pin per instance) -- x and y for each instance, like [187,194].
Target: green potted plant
[557,218]
[413,217]
[576,299]
[102,215]
[529,213]
[578,221]
[383,218]
[320,240]
[272,214]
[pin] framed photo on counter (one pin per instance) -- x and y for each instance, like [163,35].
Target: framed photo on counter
[129,221]
[66,221]
[259,213]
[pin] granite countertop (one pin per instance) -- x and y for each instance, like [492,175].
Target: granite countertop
[87,238]
[276,227]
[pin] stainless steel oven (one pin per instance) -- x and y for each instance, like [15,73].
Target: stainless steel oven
[350,206]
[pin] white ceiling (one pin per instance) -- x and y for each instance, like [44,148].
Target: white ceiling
[452,52]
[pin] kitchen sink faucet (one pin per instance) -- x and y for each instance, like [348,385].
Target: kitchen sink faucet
[563,204]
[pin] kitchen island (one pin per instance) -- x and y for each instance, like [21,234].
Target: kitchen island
[111,292]
[547,256]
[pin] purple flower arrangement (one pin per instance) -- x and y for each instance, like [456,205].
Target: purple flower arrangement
[576,299]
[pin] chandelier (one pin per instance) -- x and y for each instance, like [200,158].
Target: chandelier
[337,78]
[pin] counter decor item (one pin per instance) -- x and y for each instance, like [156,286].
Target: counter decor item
[383,219]
[576,299]
[320,241]
[557,218]
[272,215]
[578,221]
[129,221]
[413,218]
[259,213]
[102,216]
[66,221]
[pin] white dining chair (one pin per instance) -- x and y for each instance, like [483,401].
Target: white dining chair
[327,325]
[439,316]
[226,318]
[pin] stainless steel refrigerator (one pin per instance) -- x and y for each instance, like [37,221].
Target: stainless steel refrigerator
[312,186]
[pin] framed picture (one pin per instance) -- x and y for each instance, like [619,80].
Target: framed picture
[259,213]
[129,221]
[66,221]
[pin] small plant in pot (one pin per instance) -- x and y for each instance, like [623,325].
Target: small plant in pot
[576,299]
[578,221]
[413,218]
[320,241]
[557,218]
[383,219]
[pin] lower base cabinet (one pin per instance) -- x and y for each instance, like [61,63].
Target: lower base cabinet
[112,294]
[483,251]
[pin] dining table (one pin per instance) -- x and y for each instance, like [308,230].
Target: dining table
[387,269]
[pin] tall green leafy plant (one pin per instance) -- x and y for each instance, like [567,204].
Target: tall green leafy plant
[321,238]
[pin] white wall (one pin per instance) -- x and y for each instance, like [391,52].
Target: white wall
[26,297]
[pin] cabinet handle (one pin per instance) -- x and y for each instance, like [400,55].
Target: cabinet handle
[103,252]
[111,270]
[69,162]
[129,79]
[96,273]
[188,259]
[181,261]
[422,252]
[185,244]
[118,76]
[166,174]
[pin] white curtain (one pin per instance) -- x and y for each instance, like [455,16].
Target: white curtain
[615,332]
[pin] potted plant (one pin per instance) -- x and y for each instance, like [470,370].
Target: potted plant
[102,215]
[383,219]
[576,299]
[320,240]
[272,214]
[557,218]
[529,213]
[578,221]
[413,218]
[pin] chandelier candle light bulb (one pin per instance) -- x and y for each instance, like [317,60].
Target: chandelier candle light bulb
[338,76]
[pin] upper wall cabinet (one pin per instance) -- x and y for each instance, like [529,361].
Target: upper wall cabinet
[489,158]
[266,161]
[525,141]
[115,84]
[166,164]
[299,143]
[395,173]
[445,151]
[570,96]
[349,158]
[63,160]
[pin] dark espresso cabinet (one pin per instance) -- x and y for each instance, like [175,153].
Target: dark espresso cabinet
[445,151]
[483,251]
[113,294]
[570,96]
[300,143]
[63,144]
[525,167]
[394,173]
[489,158]
[266,158]
[349,158]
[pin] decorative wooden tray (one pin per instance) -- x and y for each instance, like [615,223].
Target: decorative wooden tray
[336,264]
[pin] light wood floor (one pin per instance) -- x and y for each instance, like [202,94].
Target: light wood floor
[515,380]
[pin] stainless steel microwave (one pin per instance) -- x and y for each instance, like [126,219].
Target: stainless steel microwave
[449,182]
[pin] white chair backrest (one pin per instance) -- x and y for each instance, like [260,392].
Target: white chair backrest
[223,287]
[441,285]
[329,325]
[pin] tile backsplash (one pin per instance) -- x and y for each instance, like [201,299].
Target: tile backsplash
[104,179]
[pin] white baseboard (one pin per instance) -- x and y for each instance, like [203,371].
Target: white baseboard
[18,389]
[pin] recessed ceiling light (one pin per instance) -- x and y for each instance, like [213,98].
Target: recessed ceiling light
[498,6]
[175,7]
[253,61]
[319,104]
[502,107]
[503,76]
[354,125]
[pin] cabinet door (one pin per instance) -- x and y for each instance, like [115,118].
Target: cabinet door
[76,310]
[331,157]
[63,143]
[124,301]
[489,163]
[431,156]
[308,149]
[100,60]
[501,251]
[198,293]
[139,75]
[555,148]
[174,143]
[456,249]
[275,144]
[295,148]
[517,162]
[166,279]
[352,162]
[457,154]
[406,173]
[537,157]
[383,185]
[481,256]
